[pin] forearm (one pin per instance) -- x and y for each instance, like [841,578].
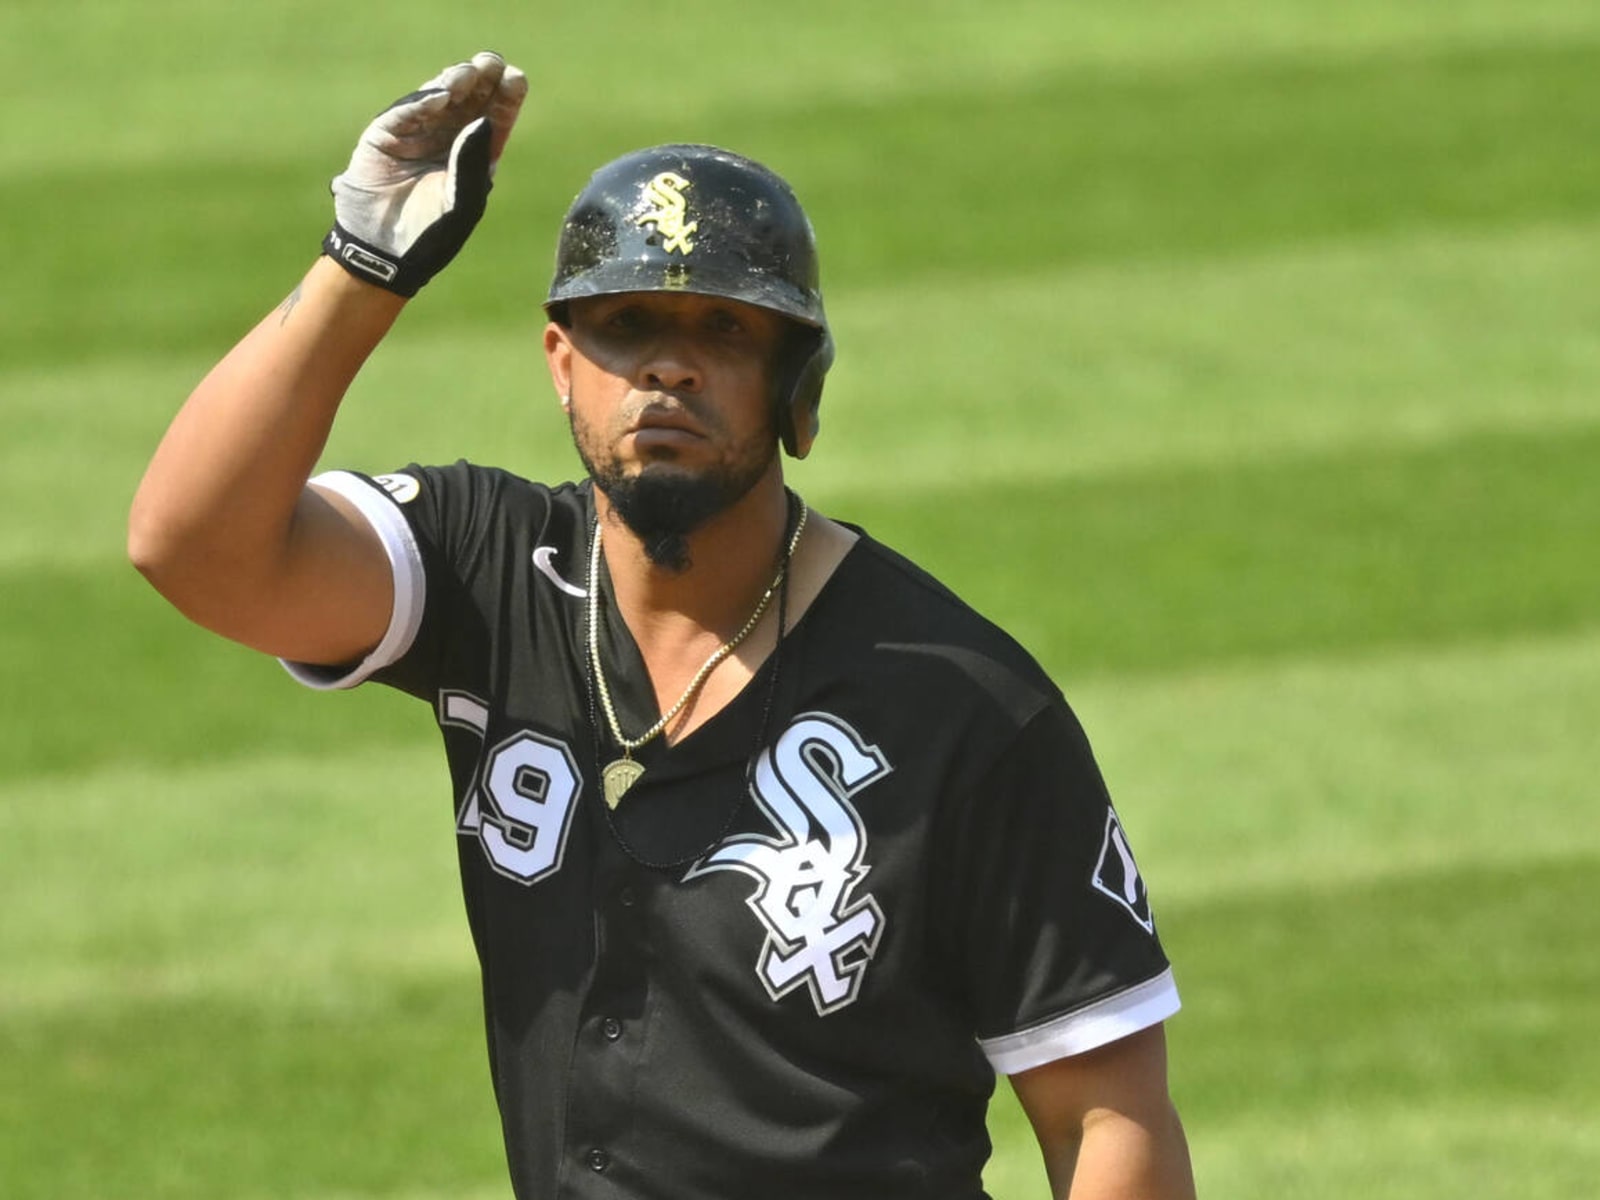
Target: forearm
[219,498]
[1118,1158]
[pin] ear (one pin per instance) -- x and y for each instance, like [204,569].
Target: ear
[558,356]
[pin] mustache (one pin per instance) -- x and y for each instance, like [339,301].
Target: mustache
[666,399]
[668,405]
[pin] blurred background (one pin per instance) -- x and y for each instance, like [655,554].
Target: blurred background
[1240,356]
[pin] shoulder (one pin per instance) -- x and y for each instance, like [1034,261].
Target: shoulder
[462,480]
[908,624]
[466,504]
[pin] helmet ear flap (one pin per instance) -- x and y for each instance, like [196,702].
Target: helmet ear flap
[799,391]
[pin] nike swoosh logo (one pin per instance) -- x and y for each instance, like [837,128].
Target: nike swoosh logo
[543,562]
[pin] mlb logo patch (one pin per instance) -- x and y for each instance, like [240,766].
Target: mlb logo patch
[1116,875]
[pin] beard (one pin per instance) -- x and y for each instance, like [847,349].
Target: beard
[663,504]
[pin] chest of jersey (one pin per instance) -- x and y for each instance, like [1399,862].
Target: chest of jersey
[762,922]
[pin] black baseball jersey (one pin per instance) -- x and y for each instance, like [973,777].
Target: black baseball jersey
[892,873]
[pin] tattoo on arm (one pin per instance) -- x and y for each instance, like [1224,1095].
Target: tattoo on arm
[288,306]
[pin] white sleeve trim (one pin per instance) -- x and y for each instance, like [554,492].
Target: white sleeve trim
[410,584]
[1102,1022]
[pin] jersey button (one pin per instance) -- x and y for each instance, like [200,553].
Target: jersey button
[611,1028]
[626,897]
[599,1160]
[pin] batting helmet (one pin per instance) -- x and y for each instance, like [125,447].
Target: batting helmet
[688,218]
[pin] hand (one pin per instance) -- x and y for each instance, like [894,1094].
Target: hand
[420,176]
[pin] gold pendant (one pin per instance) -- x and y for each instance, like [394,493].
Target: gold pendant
[618,776]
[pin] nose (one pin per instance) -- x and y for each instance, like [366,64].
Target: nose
[670,365]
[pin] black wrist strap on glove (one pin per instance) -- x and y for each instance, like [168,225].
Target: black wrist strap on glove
[369,264]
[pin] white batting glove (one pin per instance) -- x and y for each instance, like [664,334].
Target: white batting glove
[420,176]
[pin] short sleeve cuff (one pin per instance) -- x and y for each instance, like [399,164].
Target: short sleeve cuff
[1098,1024]
[410,586]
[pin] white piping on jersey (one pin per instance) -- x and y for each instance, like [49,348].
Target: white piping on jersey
[405,566]
[542,562]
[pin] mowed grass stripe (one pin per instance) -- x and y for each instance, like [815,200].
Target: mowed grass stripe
[274,84]
[264,877]
[1459,981]
[101,671]
[1225,157]
[1320,1007]
[1078,168]
[1317,773]
[276,87]
[204,1099]
[1479,540]
[1487,1147]
[1369,344]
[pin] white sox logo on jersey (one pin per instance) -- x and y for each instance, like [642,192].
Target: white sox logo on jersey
[820,933]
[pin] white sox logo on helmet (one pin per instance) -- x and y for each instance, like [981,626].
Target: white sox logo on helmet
[667,212]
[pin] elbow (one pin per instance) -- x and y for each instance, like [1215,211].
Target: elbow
[197,567]
[181,568]
[151,545]
[158,549]
[145,543]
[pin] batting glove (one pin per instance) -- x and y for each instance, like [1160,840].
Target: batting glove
[420,176]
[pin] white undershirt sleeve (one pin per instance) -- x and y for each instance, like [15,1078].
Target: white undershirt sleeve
[410,584]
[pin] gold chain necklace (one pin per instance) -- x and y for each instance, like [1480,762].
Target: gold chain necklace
[622,773]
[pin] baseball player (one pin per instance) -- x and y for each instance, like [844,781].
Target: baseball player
[773,851]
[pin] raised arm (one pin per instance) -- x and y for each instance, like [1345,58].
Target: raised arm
[224,523]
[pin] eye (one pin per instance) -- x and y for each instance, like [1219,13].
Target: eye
[724,322]
[631,319]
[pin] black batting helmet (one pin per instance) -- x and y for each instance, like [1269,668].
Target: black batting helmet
[688,218]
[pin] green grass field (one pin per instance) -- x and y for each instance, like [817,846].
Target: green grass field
[1242,356]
